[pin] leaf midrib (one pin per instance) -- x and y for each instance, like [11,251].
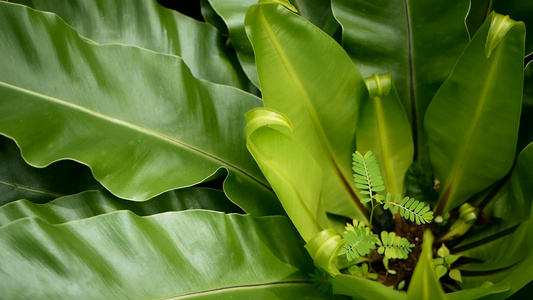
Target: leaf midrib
[312,113]
[456,171]
[238,287]
[134,127]
[30,189]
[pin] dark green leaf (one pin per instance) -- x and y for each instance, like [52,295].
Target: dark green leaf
[114,108]
[145,23]
[406,39]
[92,203]
[18,180]
[483,98]
[190,255]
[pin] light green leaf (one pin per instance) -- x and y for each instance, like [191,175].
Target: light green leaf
[424,283]
[294,175]
[455,274]
[18,180]
[190,255]
[146,24]
[440,271]
[139,119]
[384,129]
[405,38]
[361,288]
[319,98]
[483,98]
[92,203]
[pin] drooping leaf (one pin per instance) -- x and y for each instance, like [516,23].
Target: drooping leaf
[319,98]
[424,284]
[146,24]
[293,173]
[18,180]
[139,119]
[92,203]
[405,38]
[483,98]
[384,129]
[190,255]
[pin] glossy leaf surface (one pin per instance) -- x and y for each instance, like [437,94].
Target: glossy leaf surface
[483,98]
[149,25]
[293,173]
[384,129]
[405,38]
[92,203]
[18,180]
[320,99]
[114,108]
[187,254]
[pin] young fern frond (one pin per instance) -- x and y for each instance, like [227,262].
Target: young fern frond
[409,208]
[359,241]
[367,175]
[393,246]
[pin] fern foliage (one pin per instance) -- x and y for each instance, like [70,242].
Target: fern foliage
[359,241]
[367,175]
[393,246]
[409,208]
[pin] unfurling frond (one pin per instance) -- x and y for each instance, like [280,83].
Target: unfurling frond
[367,175]
[393,246]
[359,241]
[409,208]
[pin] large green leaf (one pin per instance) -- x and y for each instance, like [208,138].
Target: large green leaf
[139,119]
[510,207]
[384,129]
[18,180]
[406,39]
[472,123]
[515,248]
[92,203]
[424,284]
[185,255]
[306,76]
[293,173]
[147,24]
